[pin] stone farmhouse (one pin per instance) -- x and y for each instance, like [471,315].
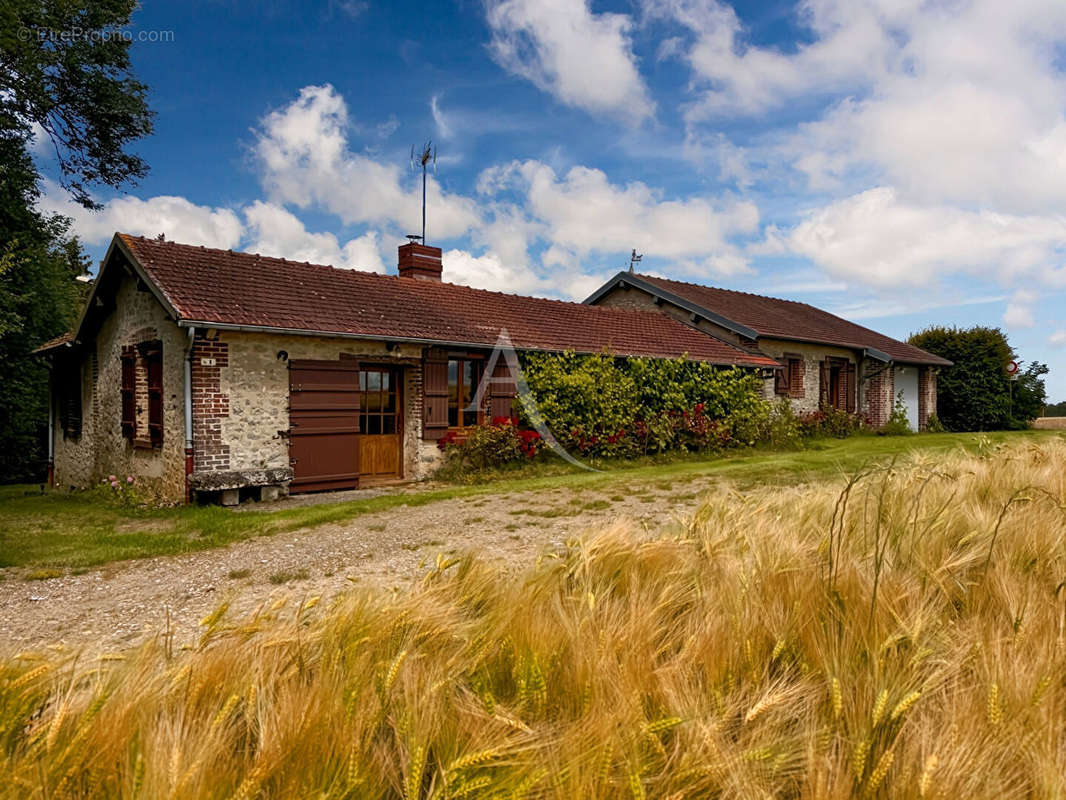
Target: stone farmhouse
[823,360]
[212,373]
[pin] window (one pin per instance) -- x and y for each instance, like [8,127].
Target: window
[464,375]
[142,393]
[68,397]
[378,401]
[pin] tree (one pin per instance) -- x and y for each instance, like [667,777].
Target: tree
[1029,395]
[1055,409]
[64,75]
[976,393]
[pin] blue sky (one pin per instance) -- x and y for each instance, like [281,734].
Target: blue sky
[899,163]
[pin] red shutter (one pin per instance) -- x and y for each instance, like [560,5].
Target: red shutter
[504,391]
[849,387]
[434,395]
[153,357]
[129,392]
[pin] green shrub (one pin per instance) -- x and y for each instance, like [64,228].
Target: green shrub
[606,406]
[975,393]
[934,425]
[831,422]
[782,426]
[897,424]
[485,446]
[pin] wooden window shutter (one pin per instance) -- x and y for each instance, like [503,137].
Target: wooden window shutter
[129,392]
[504,391]
[823,384]
[434,394]
[69,397]
[781,377]
[795,375]
[153,361]
[849,387]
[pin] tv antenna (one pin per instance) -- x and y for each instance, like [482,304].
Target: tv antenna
[425,157]
[634,259]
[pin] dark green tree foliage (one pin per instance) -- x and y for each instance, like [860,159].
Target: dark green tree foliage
[38,301]
[62,78]
[1055,409]
[65,67]
[1029,396]
[975,394]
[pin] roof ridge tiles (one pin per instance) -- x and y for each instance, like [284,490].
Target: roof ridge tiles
[731,291]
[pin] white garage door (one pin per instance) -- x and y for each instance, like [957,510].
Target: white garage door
[907,382]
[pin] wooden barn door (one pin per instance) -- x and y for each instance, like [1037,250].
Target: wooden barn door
[323,425]
[381,424]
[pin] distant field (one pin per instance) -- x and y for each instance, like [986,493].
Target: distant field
[893,633]
[1051,423]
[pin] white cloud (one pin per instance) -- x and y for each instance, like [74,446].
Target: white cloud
[305,160]
[490,272]
[277,232]
[875,238]
[444,128]
[177,218]
[938,130]
[1019,313]
[584,213]
[583,59]
[1058,338]
[851,43]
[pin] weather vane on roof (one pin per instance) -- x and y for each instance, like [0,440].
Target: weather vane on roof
[634,259]
[428,155]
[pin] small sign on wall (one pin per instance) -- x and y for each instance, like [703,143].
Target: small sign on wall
[207,362]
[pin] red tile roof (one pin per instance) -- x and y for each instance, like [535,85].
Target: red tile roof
[788,319]
[230,288]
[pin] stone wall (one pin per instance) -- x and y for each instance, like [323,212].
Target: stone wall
[101,449]
[245,396]
[812,355]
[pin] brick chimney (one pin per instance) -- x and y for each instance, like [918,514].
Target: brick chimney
[420,261]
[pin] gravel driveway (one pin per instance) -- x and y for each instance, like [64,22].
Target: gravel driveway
[117,606]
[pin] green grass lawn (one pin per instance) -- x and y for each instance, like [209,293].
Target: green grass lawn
[57,530]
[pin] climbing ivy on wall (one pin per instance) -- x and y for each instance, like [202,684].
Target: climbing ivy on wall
[607,405]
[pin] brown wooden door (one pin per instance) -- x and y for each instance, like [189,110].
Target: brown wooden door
[381,424]
[324,425]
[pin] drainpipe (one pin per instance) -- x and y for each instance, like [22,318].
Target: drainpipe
[51,428]
[188,416]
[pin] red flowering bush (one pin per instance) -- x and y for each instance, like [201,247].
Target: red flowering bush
[490,445]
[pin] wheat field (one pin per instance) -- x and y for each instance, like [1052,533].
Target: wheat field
[899,632]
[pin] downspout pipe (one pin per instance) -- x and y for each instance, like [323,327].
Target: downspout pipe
[51,426]
[188,416]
